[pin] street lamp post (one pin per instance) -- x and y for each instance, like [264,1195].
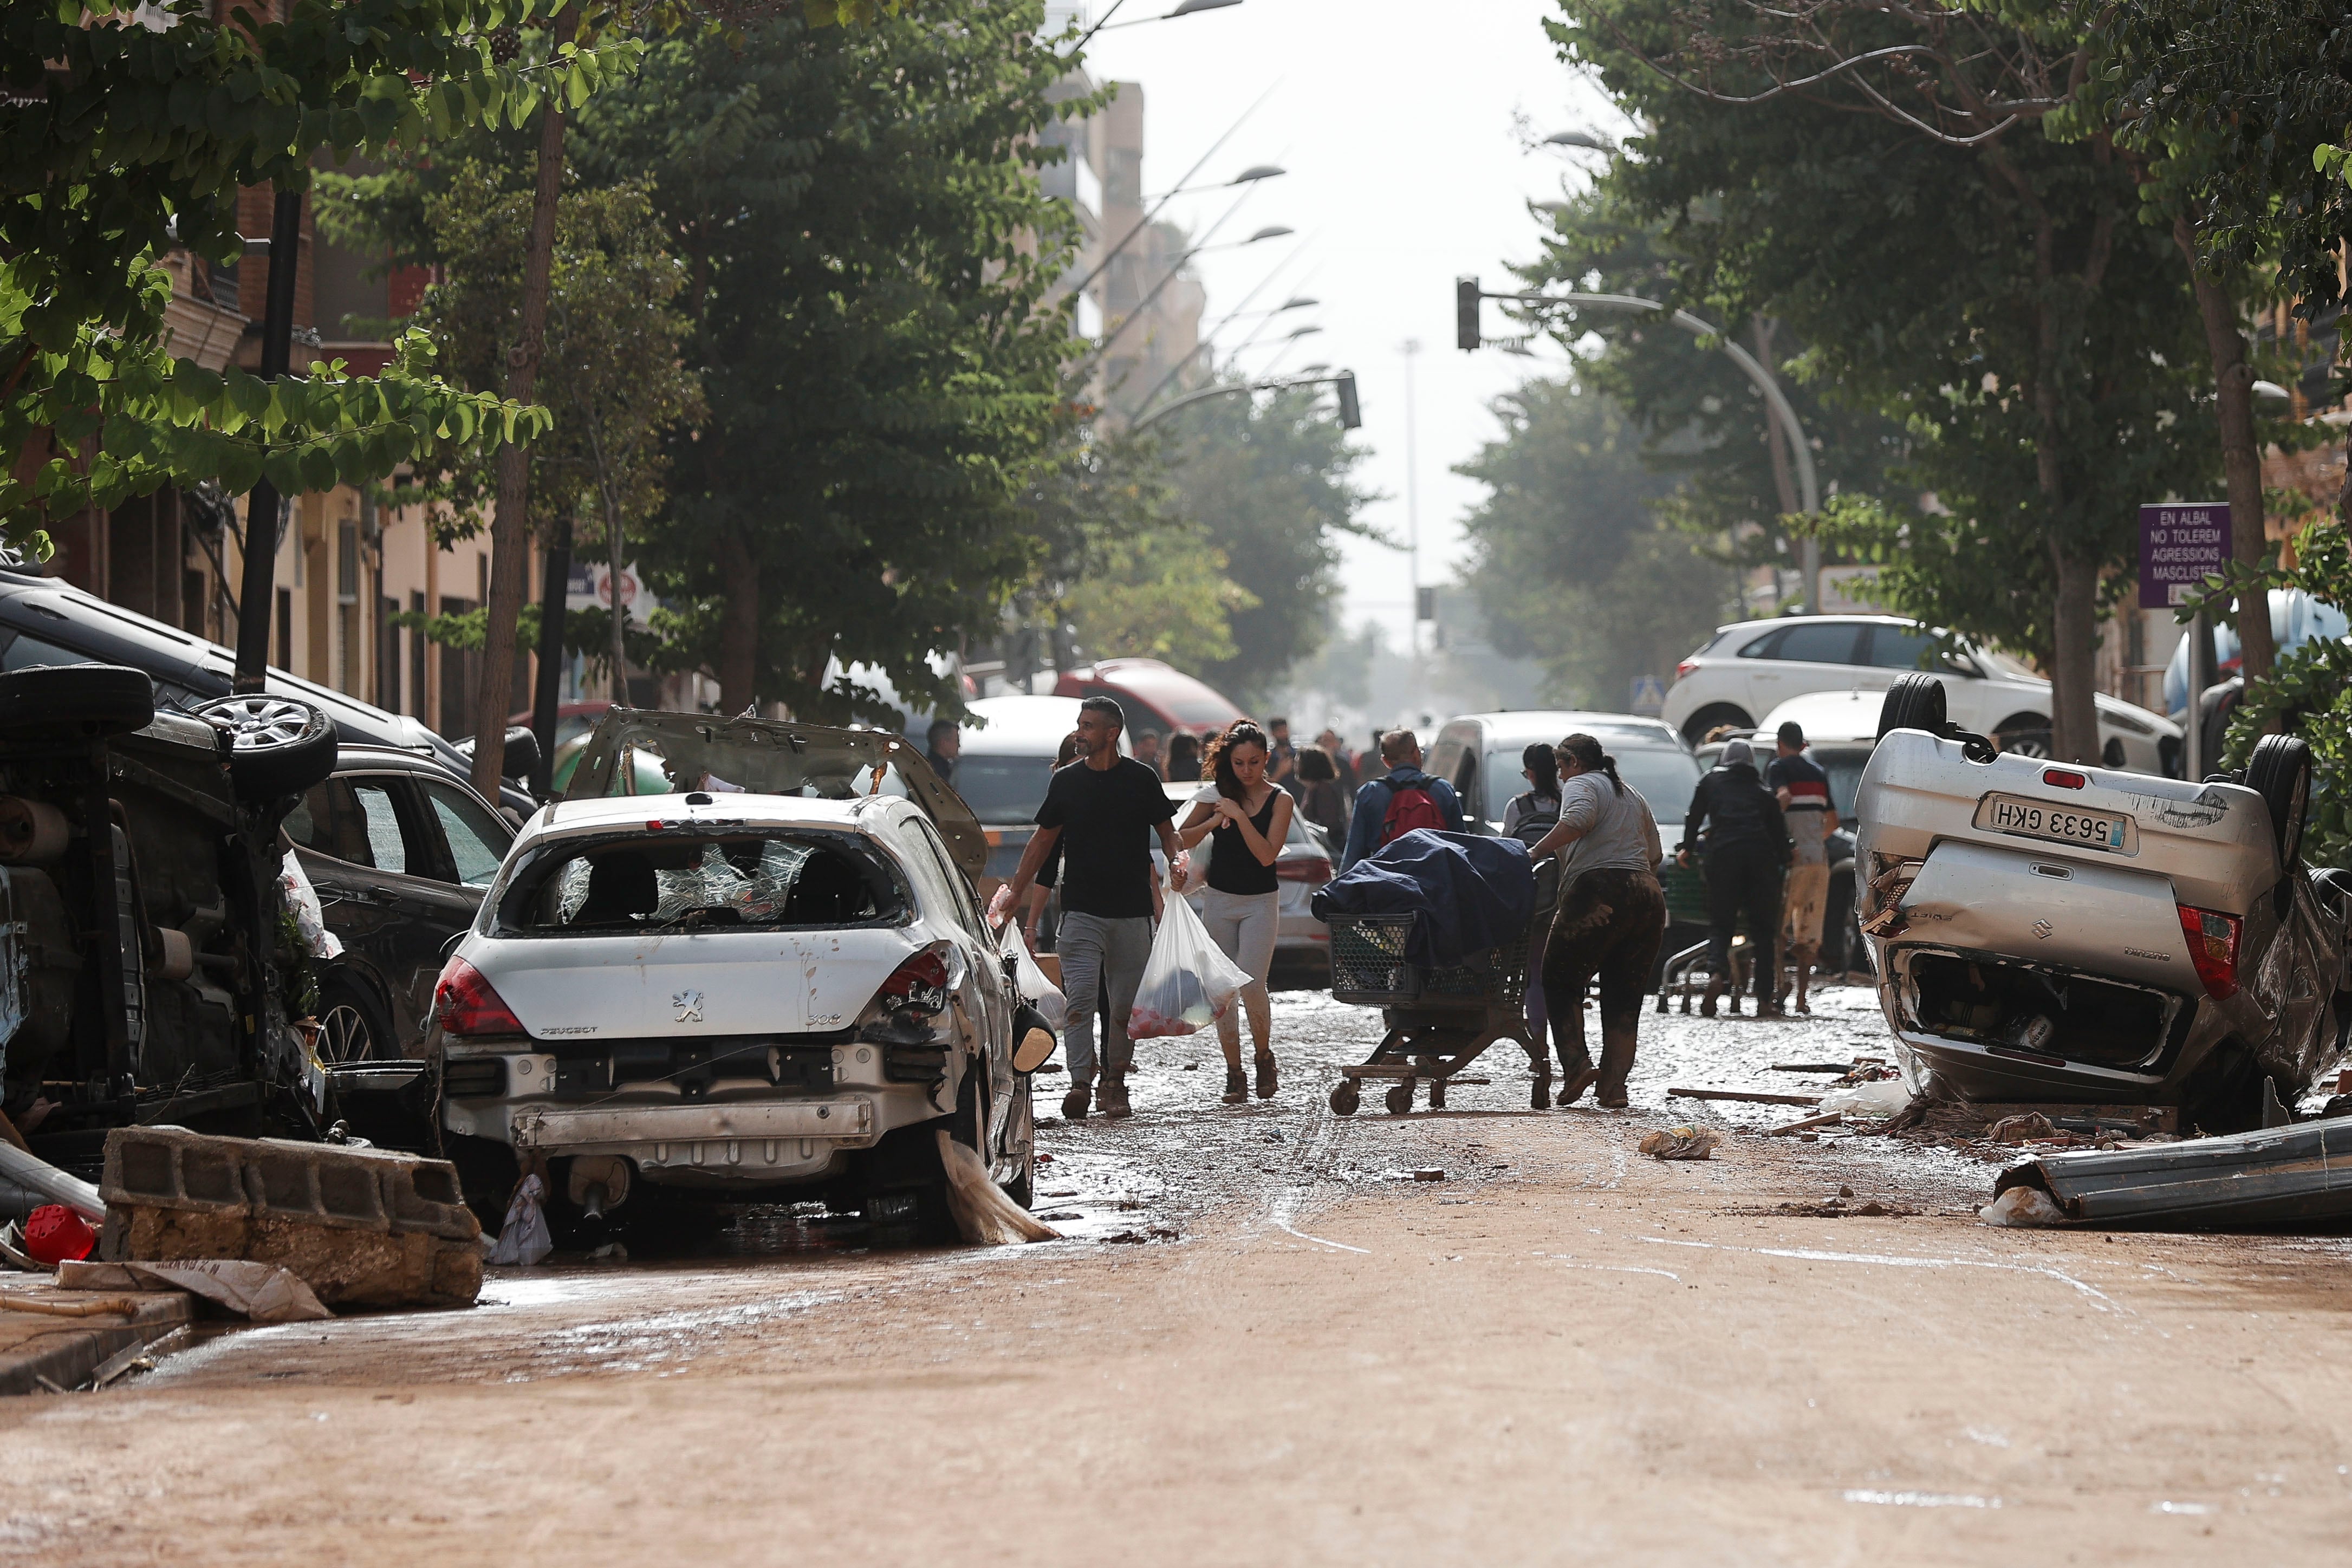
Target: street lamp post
[1351,412]
[1469,294]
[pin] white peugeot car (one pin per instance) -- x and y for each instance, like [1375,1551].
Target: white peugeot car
[775,978]
[1746,670]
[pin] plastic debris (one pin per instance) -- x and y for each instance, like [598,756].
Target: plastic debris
[2022,1206]
[1681,1142]
[523,1237]
[54,1234]
[1876,1101]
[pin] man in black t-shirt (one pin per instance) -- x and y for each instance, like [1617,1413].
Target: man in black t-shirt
[1103,813]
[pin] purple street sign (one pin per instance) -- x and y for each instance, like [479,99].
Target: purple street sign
[2180,544]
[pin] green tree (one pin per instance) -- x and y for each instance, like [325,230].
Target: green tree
[869,258]
[1268,480]
[118,140]
[1570,556]
[1992,291]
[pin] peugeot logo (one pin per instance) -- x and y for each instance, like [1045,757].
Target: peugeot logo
[2043,928]
[689,1004]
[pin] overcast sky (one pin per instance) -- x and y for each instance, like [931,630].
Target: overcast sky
[1395,119]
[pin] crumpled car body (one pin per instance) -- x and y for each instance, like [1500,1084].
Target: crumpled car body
[2054,933]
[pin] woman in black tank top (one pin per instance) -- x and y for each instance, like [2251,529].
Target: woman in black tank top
[1246,820]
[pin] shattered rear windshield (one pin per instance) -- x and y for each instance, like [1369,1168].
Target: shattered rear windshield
[712,882]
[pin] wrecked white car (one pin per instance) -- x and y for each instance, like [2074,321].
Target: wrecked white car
[2055,933]
[776,982]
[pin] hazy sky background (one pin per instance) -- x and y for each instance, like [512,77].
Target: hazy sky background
[1395,119]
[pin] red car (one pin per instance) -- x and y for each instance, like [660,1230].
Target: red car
[1153,695]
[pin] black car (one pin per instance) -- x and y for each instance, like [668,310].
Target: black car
[399,848]
[44,621]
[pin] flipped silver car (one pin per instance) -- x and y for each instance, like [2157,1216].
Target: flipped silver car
[2063,934]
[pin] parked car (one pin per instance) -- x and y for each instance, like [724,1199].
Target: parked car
[1152,695]
[148,962]
[44,621]
[621,1005]
[1302,944]
[400,850]
[1751,667]
[2083,934]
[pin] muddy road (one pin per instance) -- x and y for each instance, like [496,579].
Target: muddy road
[1264,1343]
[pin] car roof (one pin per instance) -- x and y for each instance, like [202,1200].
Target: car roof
[1526,725]
[1770,622]
[1020,726]
[1841,717]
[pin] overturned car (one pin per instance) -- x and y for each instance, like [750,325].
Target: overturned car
[153,962]
[772,980]
[2060,933]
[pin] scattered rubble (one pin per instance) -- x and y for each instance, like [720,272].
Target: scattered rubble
[1681,1142]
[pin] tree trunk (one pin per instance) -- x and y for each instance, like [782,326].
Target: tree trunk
[2074,674]
[2242,457]
[739,627]
[509,526]
[620,610]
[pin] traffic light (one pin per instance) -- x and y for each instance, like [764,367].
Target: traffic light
[1466,314]
[1351,413]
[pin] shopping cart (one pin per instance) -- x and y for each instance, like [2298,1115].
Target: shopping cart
[1439,1020]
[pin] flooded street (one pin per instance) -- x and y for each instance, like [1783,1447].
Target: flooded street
[1264,1342]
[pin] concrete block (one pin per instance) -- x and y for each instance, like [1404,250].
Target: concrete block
[360,1227]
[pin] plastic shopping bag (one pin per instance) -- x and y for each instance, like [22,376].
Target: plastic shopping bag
[523,1238]
[1041,993]
[1189,982]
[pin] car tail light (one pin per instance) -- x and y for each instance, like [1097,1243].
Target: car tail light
[1683,669]
[1315,871]
[2065,778]
[2213,948]
[464,1003]
[926,971]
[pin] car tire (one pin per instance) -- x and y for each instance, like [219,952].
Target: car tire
[70,700]
[2280,774]
[2023,735]
[1695,727]
[353,1025]
[487,1174]
[1913,701]
[277,745]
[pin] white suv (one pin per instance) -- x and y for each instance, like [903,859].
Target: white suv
[1751,668]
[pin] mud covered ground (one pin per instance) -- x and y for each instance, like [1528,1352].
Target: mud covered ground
[1265,1343]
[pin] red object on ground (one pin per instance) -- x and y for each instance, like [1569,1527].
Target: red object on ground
[56,1234]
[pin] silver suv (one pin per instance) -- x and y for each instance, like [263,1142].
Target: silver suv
[2055,933]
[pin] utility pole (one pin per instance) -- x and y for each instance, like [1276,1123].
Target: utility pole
[259,593]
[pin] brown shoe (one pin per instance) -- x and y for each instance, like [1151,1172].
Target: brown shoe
[1074,1103]
[1112,1098]
[1236,1086]
[1616,1063]
[1266,1084]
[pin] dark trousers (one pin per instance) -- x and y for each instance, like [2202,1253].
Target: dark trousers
[1744,879]
[1608,928]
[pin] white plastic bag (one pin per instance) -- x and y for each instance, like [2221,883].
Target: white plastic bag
[524,1238]
[1189,982]
[1041,993]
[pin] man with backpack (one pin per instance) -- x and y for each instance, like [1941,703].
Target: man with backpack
[1403,799]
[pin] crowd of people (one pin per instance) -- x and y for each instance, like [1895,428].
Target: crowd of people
[1109,843]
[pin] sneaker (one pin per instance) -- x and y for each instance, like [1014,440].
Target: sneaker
[1113,1100]
[1074,1103]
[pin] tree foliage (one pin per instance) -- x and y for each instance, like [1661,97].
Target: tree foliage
[125,133]
[868,259]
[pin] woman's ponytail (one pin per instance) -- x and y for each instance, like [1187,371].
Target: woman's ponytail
[1585,751]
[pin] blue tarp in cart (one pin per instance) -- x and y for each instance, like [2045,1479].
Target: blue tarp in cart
[1470,892]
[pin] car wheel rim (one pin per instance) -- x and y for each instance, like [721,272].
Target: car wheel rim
[256,722]
[344,1035]
[2025,746]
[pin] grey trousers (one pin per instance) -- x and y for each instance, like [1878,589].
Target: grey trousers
[1099,954]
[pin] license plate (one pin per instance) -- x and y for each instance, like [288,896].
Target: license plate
[2057,824]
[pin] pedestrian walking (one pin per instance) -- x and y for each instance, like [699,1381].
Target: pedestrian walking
[1738,827]
[1041,918]
[1343,761]
[1610,917]
[1147,751]
[1183,757]
[1282,762]
[1320,797]
[943,748]
[1803,791]
[1528,818]
[1399,800]
[1246,818]
[1102,814]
